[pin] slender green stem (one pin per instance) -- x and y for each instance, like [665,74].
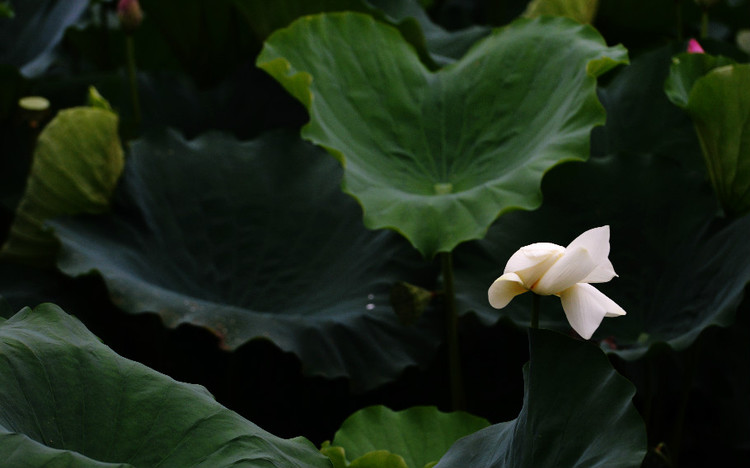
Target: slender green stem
[132,78]
[535,306]
[678,19]
[704,23]
[458,400]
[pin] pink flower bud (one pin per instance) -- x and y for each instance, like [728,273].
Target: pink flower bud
[694,48]
[130,14]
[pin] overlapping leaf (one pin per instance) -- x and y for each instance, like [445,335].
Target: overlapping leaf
[713,91]
[254,240]
[66,399]
[577,412]
[438,156]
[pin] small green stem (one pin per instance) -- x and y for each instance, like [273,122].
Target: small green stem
[678,19]
[458,400]
[133,78]
[704,23]
[535,306]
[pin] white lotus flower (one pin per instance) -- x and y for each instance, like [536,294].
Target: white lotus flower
[549,269]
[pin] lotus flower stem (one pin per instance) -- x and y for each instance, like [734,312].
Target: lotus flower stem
[132,78]
[458,401]
[535,306]
[704,23]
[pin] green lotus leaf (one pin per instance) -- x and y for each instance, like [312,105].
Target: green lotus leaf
[66,399]
[577,412]
[582,11]
[419,435]
[77,163]
[254,240]
[680,268]
[438,156]
[719,106]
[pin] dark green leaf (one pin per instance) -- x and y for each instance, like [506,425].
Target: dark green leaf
[254,240]
[577,413]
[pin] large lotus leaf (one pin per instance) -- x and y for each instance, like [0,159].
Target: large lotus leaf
[66,399]
[577,412]
[28,40]
[420,435]
[719,106]
[680,268]
[438,156]
[254,240]
[77,163]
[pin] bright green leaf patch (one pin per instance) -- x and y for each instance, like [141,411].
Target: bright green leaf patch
[77,163]
[377,436]
[66,399]
[254,240]
[438,156]
[577,413]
